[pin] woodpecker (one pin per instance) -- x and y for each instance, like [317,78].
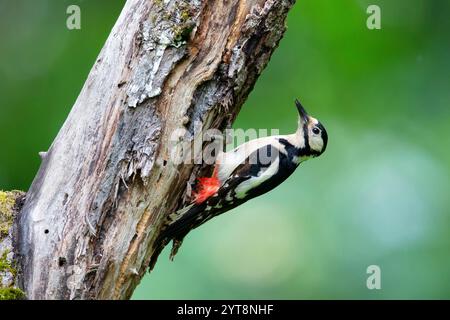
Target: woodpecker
[248,171]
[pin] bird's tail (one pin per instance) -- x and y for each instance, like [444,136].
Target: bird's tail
[181,223]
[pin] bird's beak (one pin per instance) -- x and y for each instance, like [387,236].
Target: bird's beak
[302,112]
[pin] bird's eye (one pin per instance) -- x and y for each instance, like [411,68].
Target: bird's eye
[316,130]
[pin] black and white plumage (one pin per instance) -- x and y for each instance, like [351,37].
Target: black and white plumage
[243,173]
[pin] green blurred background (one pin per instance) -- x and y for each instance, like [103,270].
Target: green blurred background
[379,195]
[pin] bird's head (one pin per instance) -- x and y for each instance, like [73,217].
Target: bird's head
[314,133]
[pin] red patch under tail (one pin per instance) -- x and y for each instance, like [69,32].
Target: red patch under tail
[206,187]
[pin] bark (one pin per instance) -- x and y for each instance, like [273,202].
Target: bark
[108,182]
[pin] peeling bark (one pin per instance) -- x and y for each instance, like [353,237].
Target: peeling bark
[108,182]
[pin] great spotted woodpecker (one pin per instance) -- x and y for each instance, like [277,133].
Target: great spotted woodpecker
[243,173]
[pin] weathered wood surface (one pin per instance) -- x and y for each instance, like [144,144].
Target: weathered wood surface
[108,181]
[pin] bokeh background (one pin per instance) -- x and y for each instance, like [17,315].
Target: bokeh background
[378,196]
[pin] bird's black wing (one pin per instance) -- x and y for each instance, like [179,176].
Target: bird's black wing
[217,204]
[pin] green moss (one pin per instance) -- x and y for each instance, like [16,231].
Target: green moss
[11,294]
[7,203]
[183,29]
[4,229]
[7,212]
[5,265]
[8,293]
[182,33]
[185,15]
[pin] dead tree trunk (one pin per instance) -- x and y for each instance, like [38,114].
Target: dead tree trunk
[108,181]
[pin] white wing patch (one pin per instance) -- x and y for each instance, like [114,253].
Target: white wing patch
[176,215]
[228,161]
[244,187]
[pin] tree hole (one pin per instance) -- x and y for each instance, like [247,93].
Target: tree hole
[62,261]
[66,197]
